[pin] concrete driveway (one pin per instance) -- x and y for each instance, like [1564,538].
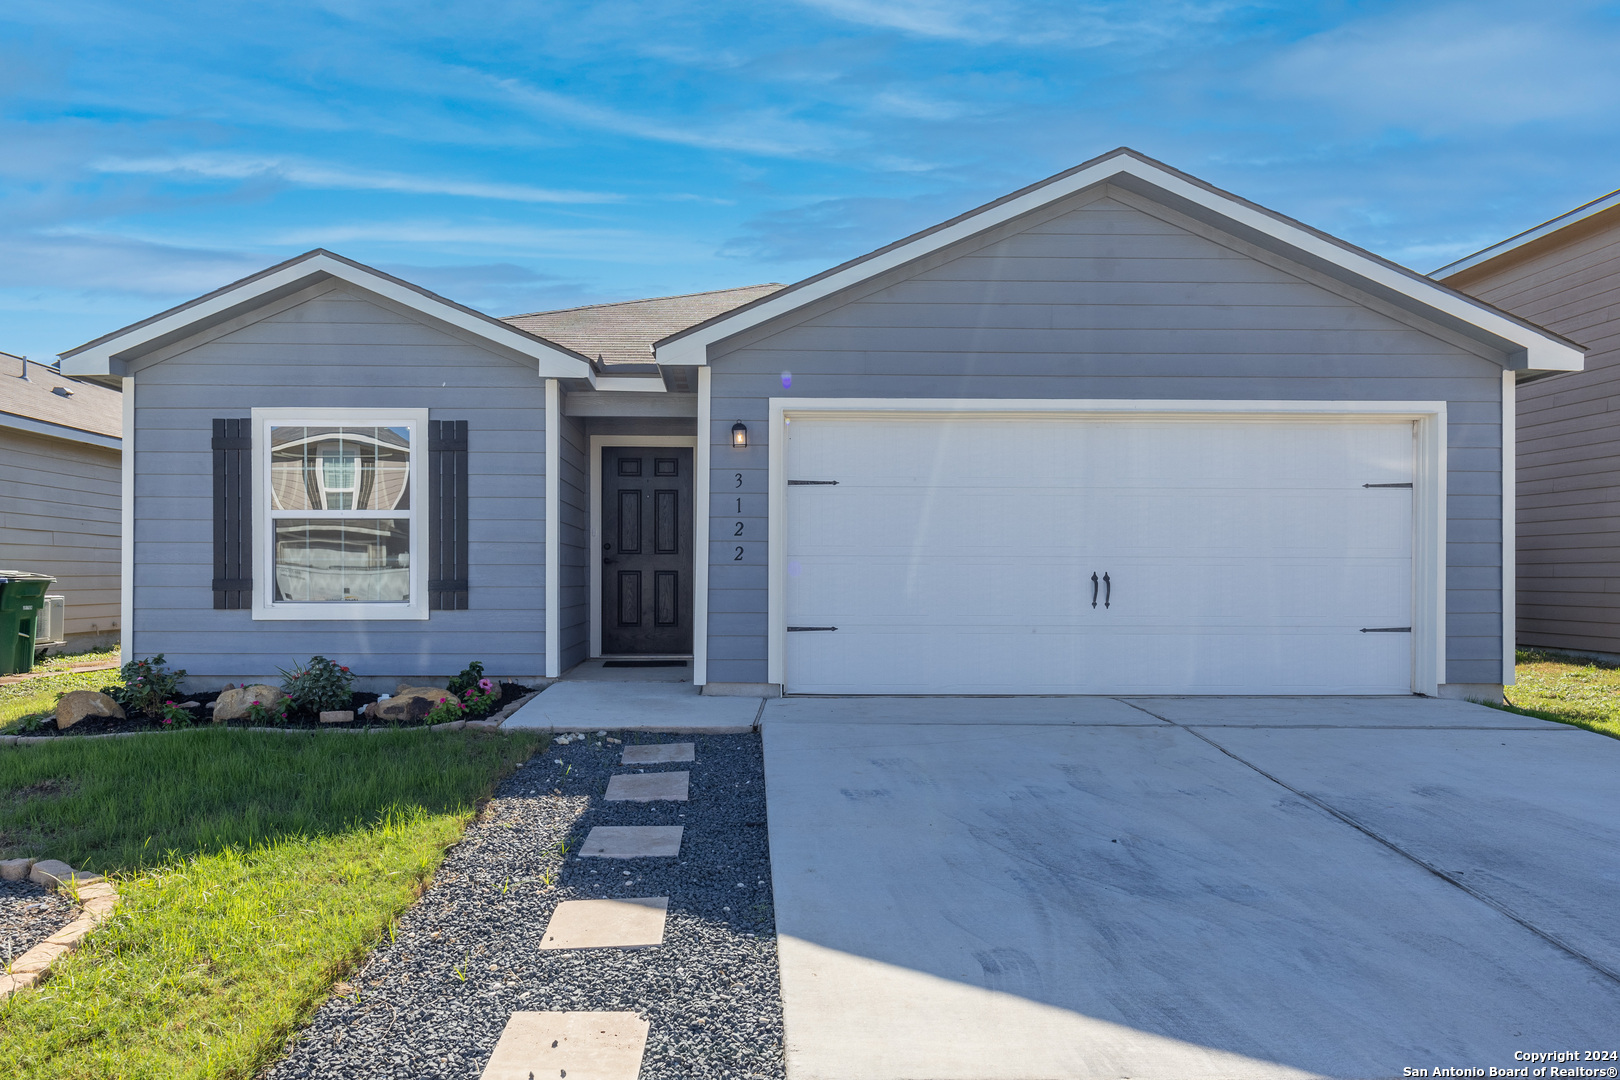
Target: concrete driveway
[1181,888]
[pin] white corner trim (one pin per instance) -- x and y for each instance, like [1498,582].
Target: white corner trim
[700,601]
[702,463]
[1429,487]
[126,528]
[58,431]
[1510,529]
[99,358]
[1543,351]
[553,529]
[267,610]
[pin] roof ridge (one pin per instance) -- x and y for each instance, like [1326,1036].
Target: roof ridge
[644,300]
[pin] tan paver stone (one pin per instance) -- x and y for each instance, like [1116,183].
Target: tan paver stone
[657,753]
[648,787]
[96,890]
[578,1045]
[39,958]
[633,842]
[607,924]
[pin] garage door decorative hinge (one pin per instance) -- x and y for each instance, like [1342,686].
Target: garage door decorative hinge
[1386,629]
[1408,484]
[812,483]
[808,629]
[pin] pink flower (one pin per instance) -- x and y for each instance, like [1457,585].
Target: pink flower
[258,703]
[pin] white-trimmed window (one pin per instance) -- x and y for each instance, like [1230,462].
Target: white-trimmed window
[338,497]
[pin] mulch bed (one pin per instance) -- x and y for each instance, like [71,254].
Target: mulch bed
[102,725]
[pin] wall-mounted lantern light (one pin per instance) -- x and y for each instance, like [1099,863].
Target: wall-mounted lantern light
[739,435]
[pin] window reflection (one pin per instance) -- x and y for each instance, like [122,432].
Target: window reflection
[325,559]
[340,468]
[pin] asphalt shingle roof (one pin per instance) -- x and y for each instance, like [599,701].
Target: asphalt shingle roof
[623,333]
[84,406]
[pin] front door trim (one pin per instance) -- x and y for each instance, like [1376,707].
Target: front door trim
[595,550]
[1428,496]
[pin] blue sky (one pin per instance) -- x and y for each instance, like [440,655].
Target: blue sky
[524,156]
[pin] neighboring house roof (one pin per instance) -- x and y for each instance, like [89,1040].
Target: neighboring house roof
[38,398]
[1526,346]
[624,332]
[1519,241]
[111,354]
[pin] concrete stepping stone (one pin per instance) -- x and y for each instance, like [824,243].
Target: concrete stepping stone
[648,787]
[632,842]
[576,1045]
[607,924]
[657,753]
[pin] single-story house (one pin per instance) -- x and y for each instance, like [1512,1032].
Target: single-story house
[1565,275]
[60,477]
[1117,432]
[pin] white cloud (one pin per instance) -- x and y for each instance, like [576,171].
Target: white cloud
[204,166]
[767,132]
[985,22]
[1454,67]
[516,241]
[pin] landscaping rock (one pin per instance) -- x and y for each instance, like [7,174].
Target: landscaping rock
[338,716]
[409,704]
[16,869]
[78,704]
[233,704]
[50,872]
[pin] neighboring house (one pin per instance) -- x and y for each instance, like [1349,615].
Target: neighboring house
[59,491]
[1118,432]
[1565,275]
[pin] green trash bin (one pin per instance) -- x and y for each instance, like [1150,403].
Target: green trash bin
[22,601]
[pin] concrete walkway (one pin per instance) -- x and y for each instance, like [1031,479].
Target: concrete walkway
[591,697]
[1001,889]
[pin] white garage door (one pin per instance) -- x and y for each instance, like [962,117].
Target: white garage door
[1045,555]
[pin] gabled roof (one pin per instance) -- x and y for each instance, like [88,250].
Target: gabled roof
[1527,346]
[38,398]
[623,333]
[1584,212]
[108,355]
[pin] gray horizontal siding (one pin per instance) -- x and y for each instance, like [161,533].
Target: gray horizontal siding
[1568,440]
[341,350]
[1106,301]
[573,542]
[61,517]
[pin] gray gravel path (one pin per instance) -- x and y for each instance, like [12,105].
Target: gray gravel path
[433,1002]
[29,914]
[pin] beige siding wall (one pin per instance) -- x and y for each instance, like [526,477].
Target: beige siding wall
[1569,439]
[59,507]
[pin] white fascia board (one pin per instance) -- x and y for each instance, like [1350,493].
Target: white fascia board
[58,431]
[1542,352]
[101,359]
[641,384]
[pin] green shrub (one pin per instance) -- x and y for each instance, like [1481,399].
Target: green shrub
[147,685]
[467,680]
[319,686]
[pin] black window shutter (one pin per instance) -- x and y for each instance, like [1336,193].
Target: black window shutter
[233,515]
[447,515]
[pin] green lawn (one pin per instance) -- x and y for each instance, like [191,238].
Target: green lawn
[256,870]
[37,697]
[1568,689]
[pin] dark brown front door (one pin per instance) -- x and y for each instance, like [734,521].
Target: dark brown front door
[646,550]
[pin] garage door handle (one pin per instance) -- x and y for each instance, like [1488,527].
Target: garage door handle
[808,629]
[1386,629]
[1108,591]
[1094,589]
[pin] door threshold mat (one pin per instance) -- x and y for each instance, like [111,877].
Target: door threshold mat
[644,663]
